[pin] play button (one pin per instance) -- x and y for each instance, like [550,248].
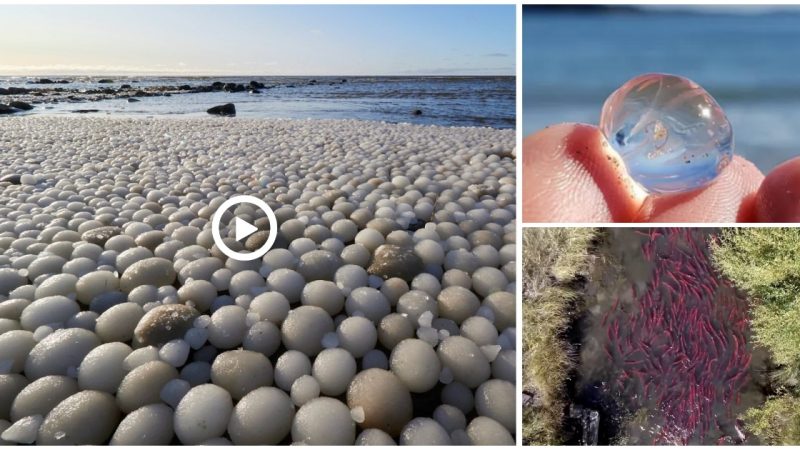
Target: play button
[243,228]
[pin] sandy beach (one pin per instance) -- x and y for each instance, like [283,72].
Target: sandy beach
[384,313]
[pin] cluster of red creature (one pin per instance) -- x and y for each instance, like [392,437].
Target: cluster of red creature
[681,349]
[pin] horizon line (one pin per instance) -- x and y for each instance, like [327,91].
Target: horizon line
[200,75]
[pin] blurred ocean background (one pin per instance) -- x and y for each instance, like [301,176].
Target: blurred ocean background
[483,101]
[748,58]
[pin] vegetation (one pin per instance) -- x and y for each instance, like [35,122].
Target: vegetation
[777,422]
[552,258]
[765,262]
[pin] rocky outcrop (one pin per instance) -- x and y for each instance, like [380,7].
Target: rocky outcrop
[228,109]
[21,105]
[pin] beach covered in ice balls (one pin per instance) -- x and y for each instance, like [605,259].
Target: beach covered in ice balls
[383,314]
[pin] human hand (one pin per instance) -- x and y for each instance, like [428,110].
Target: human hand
[571,174]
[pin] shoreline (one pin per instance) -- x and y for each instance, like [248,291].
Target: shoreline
[212,119]
[480,101]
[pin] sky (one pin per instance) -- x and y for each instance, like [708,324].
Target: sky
[258,39]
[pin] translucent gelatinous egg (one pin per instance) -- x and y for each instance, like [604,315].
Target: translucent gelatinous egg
[672,135]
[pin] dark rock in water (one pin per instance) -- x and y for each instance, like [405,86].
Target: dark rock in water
[392,261]
[184,87]
[105,81]
[312,82]
[417,112]
[5,109]
[22,105]
[100,235]
[133,100]
[126,86]
[217,85]
[256,85]
[344,80]
[14,91]
[44,81]
[63,82]
[12,178]
[85,111]
[233,87]
[167,95]
[228,109]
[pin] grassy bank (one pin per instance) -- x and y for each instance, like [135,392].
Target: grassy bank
[765,262]
[553,259]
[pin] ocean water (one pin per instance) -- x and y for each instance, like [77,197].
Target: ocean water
[451,101]
[748,59]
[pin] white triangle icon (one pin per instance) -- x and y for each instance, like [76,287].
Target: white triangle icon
[243,229]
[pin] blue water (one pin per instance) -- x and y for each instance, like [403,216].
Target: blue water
[749,62]
[451,101]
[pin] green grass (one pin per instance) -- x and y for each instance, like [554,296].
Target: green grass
[765,262]
[777,422]
[552,258]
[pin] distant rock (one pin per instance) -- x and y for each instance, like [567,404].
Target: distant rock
[417,112]
[44,81]
[133,100]
[228,109]
[105,81]
[5,109]
[126,86]
[234,87]
[22,105]
[14,91]
[185,87]
[217,85]
[256,85]
[85,111]
[13,178]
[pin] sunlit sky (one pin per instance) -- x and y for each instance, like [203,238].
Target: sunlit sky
[258,40]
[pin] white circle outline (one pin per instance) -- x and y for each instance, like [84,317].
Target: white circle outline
[273,227]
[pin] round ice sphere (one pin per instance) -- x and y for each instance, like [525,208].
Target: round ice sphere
[202,414]
[333,369]
[85,418]
[357,335]
[424,431]
[148,425]
[305,389]
[672,135]
[41,396]
[241,371]
[416,364]
[262,417]
[374,389]
[324,421]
